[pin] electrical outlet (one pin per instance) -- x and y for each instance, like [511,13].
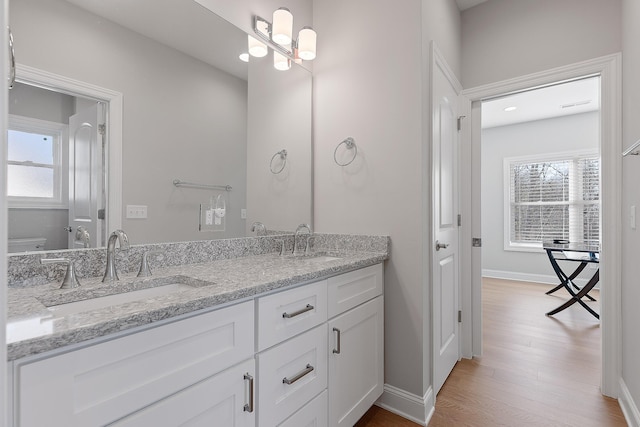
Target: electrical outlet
[136,211]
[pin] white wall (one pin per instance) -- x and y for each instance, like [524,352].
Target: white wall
[182,118]
[503,39]
[568,133]
[4,103]
[372,89]
[630,197]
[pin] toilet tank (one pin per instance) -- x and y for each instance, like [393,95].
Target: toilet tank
[27,244]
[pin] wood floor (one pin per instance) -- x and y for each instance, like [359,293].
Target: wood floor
[535,370]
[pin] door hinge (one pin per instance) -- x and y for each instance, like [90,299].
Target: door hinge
[102,129]
[459,316]
[476,242]
[459,220]
[460,121]
[101,214]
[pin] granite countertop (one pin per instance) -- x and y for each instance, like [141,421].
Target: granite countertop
[33,329]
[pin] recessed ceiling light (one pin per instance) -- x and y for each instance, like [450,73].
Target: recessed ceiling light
[510,108]
[244,57]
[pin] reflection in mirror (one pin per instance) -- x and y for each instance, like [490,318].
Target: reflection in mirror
[192,111]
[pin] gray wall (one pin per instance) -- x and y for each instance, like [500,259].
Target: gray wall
[576,132]
[182,118]
[630,197]
[502,39]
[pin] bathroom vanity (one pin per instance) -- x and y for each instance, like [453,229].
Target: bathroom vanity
[261,340]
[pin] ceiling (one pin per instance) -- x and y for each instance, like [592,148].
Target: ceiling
[579,96]
[466,4]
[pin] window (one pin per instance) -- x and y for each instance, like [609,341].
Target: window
[35,163]
[552,197]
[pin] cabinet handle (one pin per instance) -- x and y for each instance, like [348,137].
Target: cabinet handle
[248,407]
[299,375]
[337,349]
[286,315]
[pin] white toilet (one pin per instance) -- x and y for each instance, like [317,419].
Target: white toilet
[27,245]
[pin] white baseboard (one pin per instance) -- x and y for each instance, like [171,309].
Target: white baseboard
[529,277]
[628,405]
[408,405]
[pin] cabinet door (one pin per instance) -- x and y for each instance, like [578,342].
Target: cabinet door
[313,414]
[356,362]
[104,382]
[222,400]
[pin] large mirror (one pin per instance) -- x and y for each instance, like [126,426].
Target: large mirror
[191,110]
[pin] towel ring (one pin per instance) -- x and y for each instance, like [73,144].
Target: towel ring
[349,143]
[283,155]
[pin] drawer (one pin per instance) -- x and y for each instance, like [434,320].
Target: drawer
[291,361]
[101,383]
[289,313]
[313,414]
[351,289]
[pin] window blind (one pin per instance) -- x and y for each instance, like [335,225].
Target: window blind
[557,199]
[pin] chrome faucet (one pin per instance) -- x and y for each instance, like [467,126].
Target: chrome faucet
[256,226]
[295,236]
[110,273]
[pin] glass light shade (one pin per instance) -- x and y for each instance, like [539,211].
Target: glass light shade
[256,47]
[281,62]
[244,57]
[307,44]
[282,27]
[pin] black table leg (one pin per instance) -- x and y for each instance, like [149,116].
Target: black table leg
[564,279]
[577,297]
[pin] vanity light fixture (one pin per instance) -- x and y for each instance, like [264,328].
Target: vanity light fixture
[244,57]
[279,35]
[256,47]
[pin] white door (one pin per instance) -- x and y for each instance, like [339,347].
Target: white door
[445,221]
[85,177]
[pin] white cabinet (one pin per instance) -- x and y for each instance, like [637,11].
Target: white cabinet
[356,349]
[222,400]
[102,383]
[313,414]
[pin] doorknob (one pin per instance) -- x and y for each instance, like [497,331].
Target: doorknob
[68,228]
[441,245]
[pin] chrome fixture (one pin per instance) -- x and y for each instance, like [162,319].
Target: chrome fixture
[12,61]
[70,278]
[279,35]
[350,144]
[110,273]
[180,183]
[282,154]
[83,236]
[144,264]
[257,227]
[300,228]
[633,150]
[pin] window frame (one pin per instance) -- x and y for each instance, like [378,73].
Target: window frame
[535,158]
[60,132]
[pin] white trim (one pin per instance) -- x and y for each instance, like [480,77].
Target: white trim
[628,406]
[545,279]
[114,101]
[609,69]
[408,405]
[4,102]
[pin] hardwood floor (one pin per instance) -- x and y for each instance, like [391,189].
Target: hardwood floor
[535,370]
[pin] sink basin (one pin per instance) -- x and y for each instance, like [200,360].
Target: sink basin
[92,298]
[116,299]
[317,257]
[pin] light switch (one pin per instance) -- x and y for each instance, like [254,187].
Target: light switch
[243,214]
[632,217]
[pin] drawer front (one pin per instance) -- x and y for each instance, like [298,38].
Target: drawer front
[289,313]
[292,362]
[313,414]
[351,289]
[221,400]
[104,382]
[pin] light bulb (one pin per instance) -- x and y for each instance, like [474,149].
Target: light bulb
[281,62]
[307,44]
[282,26]
[256,47]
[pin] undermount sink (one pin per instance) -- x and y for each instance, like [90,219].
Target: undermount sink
[318,257]
[82,300]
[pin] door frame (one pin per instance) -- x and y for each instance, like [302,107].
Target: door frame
[113,104]
[609,69]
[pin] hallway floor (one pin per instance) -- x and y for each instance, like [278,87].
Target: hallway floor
[535,370]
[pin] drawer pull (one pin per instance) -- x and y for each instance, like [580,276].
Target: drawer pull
[299,375]
[337,349]
[248,407]
[286,315]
